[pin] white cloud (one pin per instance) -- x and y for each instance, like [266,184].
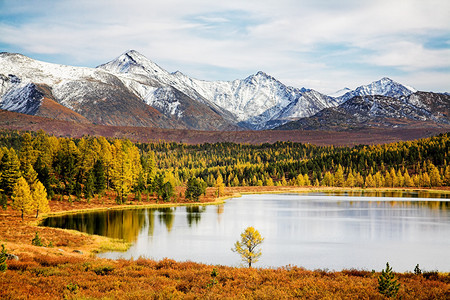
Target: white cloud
[279,37]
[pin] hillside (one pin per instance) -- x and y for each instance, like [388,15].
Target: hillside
[131,90]
[16,121]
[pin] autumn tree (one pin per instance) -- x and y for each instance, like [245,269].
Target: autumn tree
[122,170]
[447,176]
[435,176]
[339,177]
[39,196]
[247,246]
[219,184]
[22,199]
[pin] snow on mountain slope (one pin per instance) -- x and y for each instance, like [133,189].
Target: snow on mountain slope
[95,94]
[383,87]
[253,101]
[340,93]
[22,97]
[131,90]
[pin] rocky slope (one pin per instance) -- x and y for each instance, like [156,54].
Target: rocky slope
[417,109]
[131,90]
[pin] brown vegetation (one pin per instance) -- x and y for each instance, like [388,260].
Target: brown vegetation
[56,271]
[16,121]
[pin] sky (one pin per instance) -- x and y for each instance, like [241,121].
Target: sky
[320,44]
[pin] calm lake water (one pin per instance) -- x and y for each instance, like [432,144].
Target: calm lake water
[314,230]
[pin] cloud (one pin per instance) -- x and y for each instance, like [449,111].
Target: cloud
[318,44]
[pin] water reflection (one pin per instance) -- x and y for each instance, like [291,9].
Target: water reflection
[166,216]
[391,194]
[313,230]
[194,214]
[121,224]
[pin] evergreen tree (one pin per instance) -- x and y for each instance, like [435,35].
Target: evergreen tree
[22,199]
[167,191]
[66,166]
[99,176]
[44,176]
[10,171]
[195,188]
[89,185]
[387,284]
[3,258]
[27,153]
[3,201]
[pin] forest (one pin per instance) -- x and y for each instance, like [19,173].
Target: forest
[35,166]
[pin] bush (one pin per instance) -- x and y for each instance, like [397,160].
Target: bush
[103,270]
[3,265]
[36,241]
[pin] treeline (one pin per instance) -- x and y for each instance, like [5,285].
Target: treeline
[420,163]
[91,165]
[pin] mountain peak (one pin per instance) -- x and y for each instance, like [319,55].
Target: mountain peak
[133,62]
[383,87]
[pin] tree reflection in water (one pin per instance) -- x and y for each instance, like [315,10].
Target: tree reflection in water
[194,214]
[126,224]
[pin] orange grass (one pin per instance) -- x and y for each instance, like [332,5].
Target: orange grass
[59,272]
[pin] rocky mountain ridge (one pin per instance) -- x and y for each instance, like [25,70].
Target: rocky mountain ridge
[131,90]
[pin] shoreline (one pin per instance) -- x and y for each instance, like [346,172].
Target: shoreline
[70,267]
[110,244]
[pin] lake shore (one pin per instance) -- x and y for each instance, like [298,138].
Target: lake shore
[75,251]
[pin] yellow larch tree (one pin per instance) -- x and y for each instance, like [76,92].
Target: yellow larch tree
[40,200]
[22,199]
[247,246]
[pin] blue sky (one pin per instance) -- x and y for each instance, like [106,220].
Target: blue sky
[321,44]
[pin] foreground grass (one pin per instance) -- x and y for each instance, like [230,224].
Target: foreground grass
[47,277]
[66,267]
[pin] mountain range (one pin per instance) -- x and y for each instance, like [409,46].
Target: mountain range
[131,90]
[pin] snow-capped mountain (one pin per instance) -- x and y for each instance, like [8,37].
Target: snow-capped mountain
[131,90]
[253,102]
[340,93]
[428,109]
[99,95]
[383,87]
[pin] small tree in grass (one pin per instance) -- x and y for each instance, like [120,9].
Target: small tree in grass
[387,284]
[246,247]
[3,265]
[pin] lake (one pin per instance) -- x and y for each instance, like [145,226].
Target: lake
[331,231]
